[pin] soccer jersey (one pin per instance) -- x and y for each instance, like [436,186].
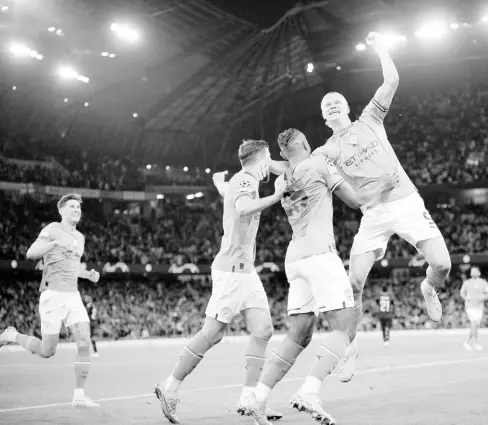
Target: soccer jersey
[475,292]
[237,253]
[61,264]
[385,305]
[362,153]
[308,204]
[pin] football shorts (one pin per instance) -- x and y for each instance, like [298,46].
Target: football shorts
[233,293]
[56,307]
[406,217]
[474,314]
[318,283]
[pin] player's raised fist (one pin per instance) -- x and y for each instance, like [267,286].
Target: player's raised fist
[263,169]
[218,178]
[93,276]
[280,185]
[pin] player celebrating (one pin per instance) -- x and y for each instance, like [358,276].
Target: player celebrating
[317,278]
[386,305]
[92,314]
[361,152]
[61,246]
[236,286]
[474,293]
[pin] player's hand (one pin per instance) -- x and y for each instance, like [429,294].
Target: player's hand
[218,178]
[280,186]
[388,181]
[263,170]
[374,39]
[93,276]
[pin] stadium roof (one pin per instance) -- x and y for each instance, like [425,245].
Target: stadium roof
[201,66]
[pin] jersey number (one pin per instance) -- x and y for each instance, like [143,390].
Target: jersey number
[385,305]
[427,216]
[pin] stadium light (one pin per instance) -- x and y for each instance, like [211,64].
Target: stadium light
[112,55]
[14,88]
[431,31]
[360,47]
[22,51]
[484,18]
[190,197]
[390,39]
[87,104]
[125,32]
[160,196]
[148,166]
[135,115]
[59,32]
[65,100]
[199,195]
[4,9]
[185,169]
[104,54]
[52,29]
[167,168]
[338,68]
[454,26]
[310,67]
[207,170]
[68,73]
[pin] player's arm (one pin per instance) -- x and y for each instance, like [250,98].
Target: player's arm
[463,291]
[42,245]
[247,205]
[384,95]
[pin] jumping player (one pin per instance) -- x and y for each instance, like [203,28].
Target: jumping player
[236,286]
[61,246]
[318,280]
[386,306]
[474,293]
[361,152]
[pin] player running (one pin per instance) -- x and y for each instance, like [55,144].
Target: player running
[92,314]
[61,246]
[474,293]
[317,278]
[386,307]
[361,152]
[236,286]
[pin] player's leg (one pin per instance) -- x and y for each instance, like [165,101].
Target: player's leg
[92,340]
[383,326]
[44,348]
[388,327]
[333,294]
[223,305]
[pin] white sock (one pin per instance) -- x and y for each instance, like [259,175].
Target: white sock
[245,392]
[311,385]
[172,384]
[79,393]
[262,392]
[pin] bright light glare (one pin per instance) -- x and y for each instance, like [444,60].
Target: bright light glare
[87,104]
[310,67]
[434,30]
[454,26]
[135,115]
[59,32]
[190,197]
[360,47]
[14,88]
[105,54]
[68,73]
[4,9]
[160,196]
[185,169]
[148,166]
[51,29]
[390,39]
[207,170]
[167,168]
[199,195]
[22,51]
[125,32]
[484,18]
[112,55]
[65,100]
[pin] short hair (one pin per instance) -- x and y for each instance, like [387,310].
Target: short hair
[286,138]
[475,267]
[69,197]
[249,148]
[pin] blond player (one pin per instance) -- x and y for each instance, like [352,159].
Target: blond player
[316,275]
[361,152]
[236,286]
[61,247]
[474,293]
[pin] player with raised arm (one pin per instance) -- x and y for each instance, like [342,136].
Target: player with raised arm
[61,246]
[361,152]
[474,293]
[236,286]
[316,275]
[386,307]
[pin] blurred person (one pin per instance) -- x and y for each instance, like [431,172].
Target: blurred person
[61,247]
[474,293]
[93,316]
[316,275]
[236,286]
[362,152]
[385,315]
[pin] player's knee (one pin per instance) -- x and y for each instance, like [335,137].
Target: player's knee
[442,266]
[83,344]
[214,337]
[301,328]
[264,331]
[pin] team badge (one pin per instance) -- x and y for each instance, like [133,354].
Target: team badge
[226,312]
[352,140]
[244,183]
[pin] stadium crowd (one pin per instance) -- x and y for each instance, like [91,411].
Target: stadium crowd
[427,131]
[196,234]
[159,308]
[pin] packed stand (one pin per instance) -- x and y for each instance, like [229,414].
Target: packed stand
[138,309]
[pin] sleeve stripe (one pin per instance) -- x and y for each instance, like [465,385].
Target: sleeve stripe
[239,195]
[337,185]
[379,106]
